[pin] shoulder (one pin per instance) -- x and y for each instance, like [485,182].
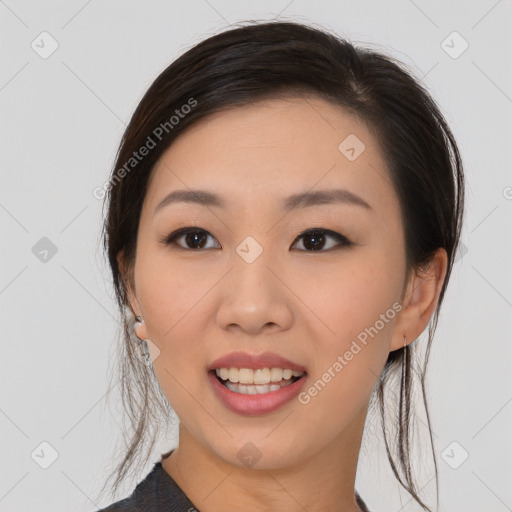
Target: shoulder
[156,492]
[144,491]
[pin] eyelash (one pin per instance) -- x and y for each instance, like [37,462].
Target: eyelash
[343,240]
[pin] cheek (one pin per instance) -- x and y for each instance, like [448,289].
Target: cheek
[168,294]
[173,307]
[350,295]
[356,306]
[178,310]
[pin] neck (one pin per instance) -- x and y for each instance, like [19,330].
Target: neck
[323,481]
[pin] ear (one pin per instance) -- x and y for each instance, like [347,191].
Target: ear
[128,278]
[420,300]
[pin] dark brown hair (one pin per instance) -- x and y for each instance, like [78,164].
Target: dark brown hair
[262,60]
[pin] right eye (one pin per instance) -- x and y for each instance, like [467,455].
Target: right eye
[194,238]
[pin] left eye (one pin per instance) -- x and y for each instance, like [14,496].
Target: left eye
[313,240]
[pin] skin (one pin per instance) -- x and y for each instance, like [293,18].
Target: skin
[200,304]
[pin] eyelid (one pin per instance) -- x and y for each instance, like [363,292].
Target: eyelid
[170,239]
[342,240]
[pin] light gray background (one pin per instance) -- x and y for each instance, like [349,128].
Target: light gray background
[62,119]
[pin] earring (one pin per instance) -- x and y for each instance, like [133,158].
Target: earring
[138,322]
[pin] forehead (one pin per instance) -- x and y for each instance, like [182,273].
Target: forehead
[279,146]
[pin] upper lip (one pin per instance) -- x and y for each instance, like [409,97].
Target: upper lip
[245,360]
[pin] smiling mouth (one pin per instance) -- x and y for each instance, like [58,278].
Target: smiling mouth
[252,384]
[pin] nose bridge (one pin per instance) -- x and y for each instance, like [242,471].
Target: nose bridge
[251,271]
[253,296]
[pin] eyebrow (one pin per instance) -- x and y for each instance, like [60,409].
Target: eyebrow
[295,201]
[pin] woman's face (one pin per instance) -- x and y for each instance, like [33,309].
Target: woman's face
[249,283]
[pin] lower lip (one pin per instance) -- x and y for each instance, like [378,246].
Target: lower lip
[254,405]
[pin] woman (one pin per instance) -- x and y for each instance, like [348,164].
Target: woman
[283,218]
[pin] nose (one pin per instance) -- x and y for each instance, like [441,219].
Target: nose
[254,299]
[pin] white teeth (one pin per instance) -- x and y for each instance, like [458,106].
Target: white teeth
[276,374]
[245,375]
[233,374]
[243,389]
[259,377]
